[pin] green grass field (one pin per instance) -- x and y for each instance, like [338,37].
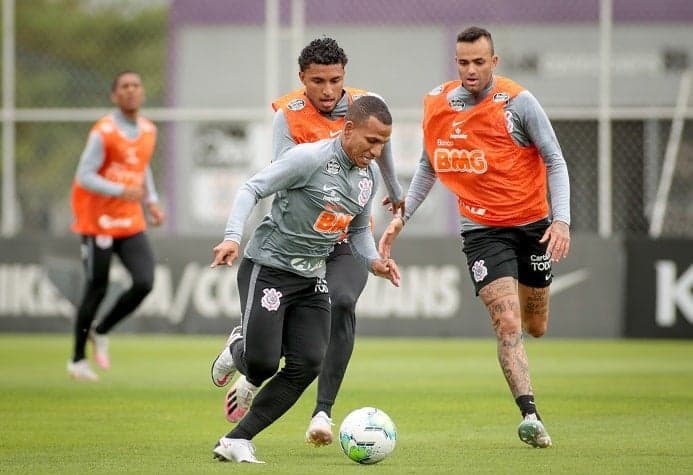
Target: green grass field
[610,406]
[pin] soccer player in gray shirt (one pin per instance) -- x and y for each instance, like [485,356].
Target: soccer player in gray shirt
[327,187]
[313,112]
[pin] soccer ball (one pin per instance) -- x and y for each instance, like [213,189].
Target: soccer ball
[367,435]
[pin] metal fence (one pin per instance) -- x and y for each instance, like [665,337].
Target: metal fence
[612,75]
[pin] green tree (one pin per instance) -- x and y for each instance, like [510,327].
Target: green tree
[67,53]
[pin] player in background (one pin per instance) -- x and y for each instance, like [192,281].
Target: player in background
[112,184]
[314,112]
[329,187]
[489,141]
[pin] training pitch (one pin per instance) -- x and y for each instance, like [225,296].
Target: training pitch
[611,407]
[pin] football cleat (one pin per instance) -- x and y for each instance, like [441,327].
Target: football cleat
[235,450]
[81,371]
[319,431]
[532,432]
[223,367]
[238,399]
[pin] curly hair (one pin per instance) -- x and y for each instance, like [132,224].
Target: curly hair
[323,50]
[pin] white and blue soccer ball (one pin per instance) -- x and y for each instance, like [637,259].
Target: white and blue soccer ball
[367,435]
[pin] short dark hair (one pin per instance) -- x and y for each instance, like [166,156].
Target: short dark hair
[366,106]
[323,50]
[114,83]
[473,33]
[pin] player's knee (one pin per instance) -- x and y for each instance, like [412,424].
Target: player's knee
[302,371]
[98,292]
[343,303]
[503,304]
[309,365]
[312,364]
[536,328]
[97,287]
[142,287]
[261,369]
[505,320]
[507,324]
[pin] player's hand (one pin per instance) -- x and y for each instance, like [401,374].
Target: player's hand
[225,253]
[156,214]
[397,206]
[132,193]
[389,235]
[387,268]
[558,236]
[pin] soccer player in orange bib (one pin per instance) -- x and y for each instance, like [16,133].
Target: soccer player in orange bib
[489,141]
[112,184]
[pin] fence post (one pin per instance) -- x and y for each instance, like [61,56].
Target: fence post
[9,170]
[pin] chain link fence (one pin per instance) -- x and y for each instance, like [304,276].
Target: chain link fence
[210,68]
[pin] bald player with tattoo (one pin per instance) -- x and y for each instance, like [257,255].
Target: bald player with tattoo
[488,140]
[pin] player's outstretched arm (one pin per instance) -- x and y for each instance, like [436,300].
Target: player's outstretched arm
[225,253]
[389,235]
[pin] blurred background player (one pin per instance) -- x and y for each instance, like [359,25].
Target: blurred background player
[112,183]
[314,112]
[329,187]
[490,142]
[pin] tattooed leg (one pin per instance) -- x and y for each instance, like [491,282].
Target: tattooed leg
[503,303]
[535,309]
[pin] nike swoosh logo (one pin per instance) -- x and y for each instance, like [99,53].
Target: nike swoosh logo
[564,282]
[335,133]
[327,188]
[457,122]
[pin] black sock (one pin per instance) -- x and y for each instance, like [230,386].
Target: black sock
[326,408]
[526,405]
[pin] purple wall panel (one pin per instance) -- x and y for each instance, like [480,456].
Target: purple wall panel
[440,11]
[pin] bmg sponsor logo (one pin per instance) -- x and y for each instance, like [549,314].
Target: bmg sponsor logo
[459,160]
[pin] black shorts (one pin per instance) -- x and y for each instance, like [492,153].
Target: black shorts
[516,252]
[282,314]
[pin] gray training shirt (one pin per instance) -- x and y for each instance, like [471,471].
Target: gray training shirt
[322,191]
[531,126]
